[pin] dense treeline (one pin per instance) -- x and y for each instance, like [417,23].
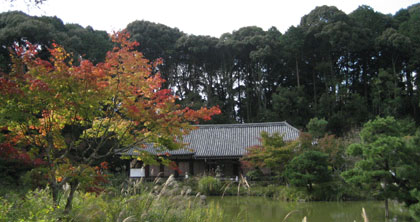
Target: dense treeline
[346,68]
[17,27]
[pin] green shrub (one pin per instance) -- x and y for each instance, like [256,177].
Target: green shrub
[415,208]
[192,184]
[308,169]
[34,206]
[255,174]
[35,178]
[5,207]
[210,186]
[317,127]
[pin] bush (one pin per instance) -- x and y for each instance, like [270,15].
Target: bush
[210,186]
[35,178]
[415,208]
[317,127]
[5,207]
[191,183]
[34,206]
[307,169]
[255,174]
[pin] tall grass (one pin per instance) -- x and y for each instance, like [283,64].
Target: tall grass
[134,201]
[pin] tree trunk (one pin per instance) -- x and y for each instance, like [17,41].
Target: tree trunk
[395,77]
[314,88]
[297,72]
[386,209]
[73,187]
[54,191]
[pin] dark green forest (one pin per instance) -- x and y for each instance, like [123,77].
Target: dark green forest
[346,68]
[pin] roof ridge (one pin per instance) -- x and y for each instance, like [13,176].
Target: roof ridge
[241,125]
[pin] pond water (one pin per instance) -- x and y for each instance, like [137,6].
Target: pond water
[262,209]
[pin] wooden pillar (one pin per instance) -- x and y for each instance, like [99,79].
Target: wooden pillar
[176,173]
[236,167]
[161,170]
[147,171]
[191,167]
[127,167]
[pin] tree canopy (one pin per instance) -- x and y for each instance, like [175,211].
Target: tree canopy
[345,68]
[307,169]
[71,116]
[387,165]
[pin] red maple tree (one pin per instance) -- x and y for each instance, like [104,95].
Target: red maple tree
[71,116]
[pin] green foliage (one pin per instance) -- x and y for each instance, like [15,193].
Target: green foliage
[4,209]
[291,104]
[386,95]
[307,169]
[275,140]
[255,174]
[273,153]
[317,127]
[191,183]
[383,127]
[346,68]
[19,27]
[35,178]
[37,206]
[11,171]
[415,208]
[335,149]
[388,164]
[382,151]
[209,186]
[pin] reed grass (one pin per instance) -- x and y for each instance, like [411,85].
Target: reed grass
[134,201]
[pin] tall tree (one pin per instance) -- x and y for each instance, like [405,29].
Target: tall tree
[384,157]
[17,27]
[158,41]
[409,25]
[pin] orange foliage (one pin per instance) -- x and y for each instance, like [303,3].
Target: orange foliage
[122,96]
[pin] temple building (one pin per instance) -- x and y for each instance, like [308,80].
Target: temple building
[212,148]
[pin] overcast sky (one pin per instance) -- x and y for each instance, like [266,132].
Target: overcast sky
[199,17]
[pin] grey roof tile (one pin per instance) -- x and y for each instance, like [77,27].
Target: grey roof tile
[134,151]
[227,140]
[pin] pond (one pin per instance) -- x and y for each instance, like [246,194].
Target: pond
[255,209]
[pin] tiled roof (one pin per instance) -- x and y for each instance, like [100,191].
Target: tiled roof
[134,151]
[233,139]
[228,140]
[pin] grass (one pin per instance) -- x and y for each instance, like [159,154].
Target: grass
[164,201]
